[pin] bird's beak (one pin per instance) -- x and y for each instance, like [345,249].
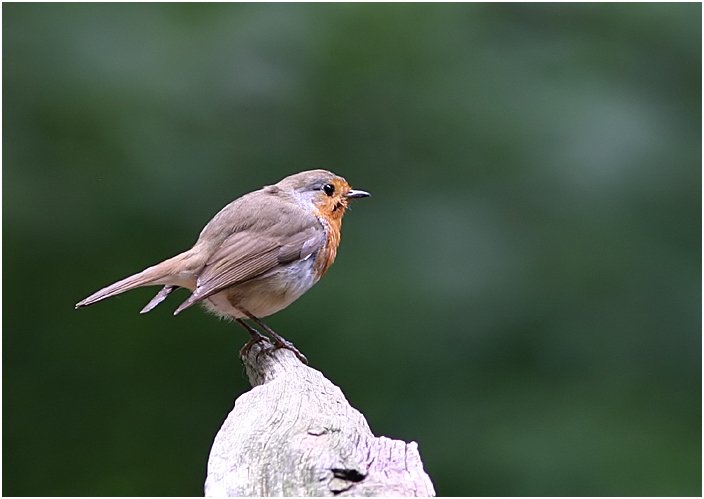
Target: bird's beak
[357,194]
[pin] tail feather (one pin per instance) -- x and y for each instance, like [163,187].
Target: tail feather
[144,278]
[160,296]
[177,271]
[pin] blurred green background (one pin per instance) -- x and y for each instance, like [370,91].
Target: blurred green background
[521,295]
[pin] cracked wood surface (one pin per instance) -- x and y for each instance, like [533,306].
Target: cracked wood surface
[295,434]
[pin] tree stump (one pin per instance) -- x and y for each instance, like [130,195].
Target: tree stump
[295,434]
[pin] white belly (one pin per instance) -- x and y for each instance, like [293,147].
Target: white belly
[267,294]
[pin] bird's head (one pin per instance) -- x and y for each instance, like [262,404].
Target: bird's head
[322,190]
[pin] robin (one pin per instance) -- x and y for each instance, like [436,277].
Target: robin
[258,255]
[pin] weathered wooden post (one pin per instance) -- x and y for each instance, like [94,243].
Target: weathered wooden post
[295,434]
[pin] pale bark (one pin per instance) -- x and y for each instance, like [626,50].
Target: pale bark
[295,434]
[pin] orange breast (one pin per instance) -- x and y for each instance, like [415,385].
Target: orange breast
[327,253]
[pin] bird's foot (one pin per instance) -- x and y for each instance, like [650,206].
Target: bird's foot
[282,343]
[279,341]
[266,346]
[256,337]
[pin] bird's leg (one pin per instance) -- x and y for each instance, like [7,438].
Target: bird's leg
[256,337]
[279,341]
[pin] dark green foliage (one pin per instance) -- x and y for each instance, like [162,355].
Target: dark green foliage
[521,295]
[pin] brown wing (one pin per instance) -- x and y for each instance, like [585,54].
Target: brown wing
[246,254]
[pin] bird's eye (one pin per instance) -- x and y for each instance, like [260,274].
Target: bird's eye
[329,189]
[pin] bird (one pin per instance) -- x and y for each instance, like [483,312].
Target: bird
[256,256]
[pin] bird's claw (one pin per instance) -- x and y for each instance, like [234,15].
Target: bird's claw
[256,339]
[289,346]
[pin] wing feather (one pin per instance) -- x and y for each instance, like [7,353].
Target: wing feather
[245,255]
